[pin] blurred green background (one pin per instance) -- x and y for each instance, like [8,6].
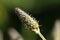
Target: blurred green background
[45,11]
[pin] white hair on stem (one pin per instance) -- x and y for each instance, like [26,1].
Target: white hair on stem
[1,35]
[14,35]
[29,21]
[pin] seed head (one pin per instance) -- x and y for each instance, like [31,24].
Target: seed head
[29,21]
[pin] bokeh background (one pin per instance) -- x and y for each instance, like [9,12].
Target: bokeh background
[45,11]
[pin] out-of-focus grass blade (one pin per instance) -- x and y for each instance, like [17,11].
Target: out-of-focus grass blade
[14,35]
[56,32]
[1,35]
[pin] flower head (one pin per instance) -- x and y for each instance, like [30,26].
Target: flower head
[29,21]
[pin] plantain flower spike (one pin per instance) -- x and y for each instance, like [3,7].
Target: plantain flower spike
[29,21]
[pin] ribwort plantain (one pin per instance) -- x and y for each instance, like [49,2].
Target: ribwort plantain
[29,21]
